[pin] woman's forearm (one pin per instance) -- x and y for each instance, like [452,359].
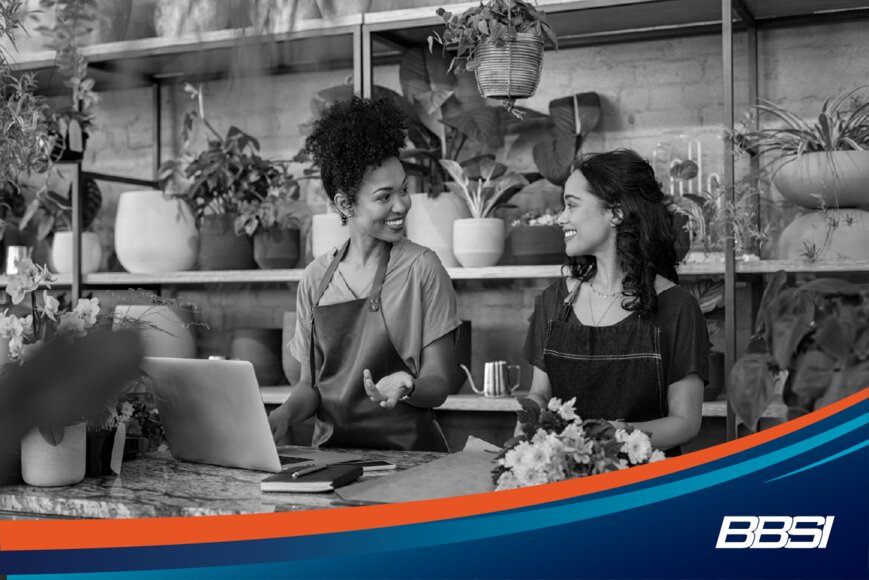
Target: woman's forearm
[302,404]
[429,391]
[668,432]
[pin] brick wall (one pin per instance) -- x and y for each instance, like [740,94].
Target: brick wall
[656,91]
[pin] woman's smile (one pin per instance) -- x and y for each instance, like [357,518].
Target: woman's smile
[568,234]
[396,224]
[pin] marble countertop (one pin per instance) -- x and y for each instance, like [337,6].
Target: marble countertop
[158,486]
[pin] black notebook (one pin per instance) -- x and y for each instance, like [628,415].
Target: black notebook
[327,479]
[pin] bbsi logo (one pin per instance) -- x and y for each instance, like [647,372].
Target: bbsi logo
[775,532]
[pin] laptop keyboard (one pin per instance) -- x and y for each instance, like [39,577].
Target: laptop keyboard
[290,460]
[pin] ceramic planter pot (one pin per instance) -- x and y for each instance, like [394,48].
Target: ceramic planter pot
[430,223]
[46,465]
[478,242]
[155,233]
[536,245]
[511,71]
[812,237]
[220,248]
[61,252]
[835,177]
[168,332]
[276,248]
[262,347]
[327,233]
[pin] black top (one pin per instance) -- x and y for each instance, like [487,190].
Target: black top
[684,338]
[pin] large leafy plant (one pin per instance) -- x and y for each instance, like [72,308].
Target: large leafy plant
[496,21]
[483,184]
[816,335]
[228,174]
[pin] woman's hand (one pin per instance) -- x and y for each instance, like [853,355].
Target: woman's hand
[279,422]
[389,389]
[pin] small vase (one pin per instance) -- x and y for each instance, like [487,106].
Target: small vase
[46,465]
[61,253]
[478,242]
[99,452]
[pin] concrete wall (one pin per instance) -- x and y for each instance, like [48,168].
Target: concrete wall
[665,91]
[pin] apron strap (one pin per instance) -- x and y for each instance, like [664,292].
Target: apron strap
[568,302]
[377,286]
[330,271]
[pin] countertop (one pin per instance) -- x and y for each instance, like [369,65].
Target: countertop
[158,486]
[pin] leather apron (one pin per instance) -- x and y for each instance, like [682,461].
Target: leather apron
[347,338]
[615,372]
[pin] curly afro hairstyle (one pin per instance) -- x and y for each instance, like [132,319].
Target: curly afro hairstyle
[353,136]
[645,239]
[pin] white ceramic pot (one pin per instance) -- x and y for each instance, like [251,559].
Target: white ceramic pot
[478,242]
[812,237]
[430,223]
[836,177]
[46,465]
[327,233]
[167,332]
[155,233]
[61,252]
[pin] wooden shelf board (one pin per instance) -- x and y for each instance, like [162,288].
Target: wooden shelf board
[277,395]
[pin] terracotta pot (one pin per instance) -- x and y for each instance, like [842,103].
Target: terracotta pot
[836,177]
[220,248]
[534,245]
[430,223]
[46,465]
[61,252]
[276,248]
[812,237]
[168,332]
[155,233]
[478,242]
[262,347]
[327,233]
[292,367]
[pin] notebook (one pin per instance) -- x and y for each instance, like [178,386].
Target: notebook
[212,412]
[327,479]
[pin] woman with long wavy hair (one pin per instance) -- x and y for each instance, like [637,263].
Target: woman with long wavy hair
[618,332]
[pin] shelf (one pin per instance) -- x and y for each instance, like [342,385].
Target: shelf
[801,266]
[595,22]
[312,45]
[279,394]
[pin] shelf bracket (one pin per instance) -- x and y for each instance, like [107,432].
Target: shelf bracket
[744,13]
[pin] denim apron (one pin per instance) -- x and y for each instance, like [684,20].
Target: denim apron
[347,338]
[614,372]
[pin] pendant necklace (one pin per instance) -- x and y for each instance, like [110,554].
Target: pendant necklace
[607,309]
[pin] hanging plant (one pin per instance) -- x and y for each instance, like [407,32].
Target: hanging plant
[502,42]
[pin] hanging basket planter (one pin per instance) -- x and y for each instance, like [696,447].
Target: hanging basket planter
[510,72]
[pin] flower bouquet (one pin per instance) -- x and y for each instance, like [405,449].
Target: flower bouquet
[556,444]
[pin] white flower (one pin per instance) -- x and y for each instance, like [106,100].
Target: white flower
[16,343]
[50,305]
[71,323]
[566,410]
[507,481]
[87,310]
[638,448]
[657,455]
[621,435]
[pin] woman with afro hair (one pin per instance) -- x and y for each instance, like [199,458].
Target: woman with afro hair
[618,333]
[375,318]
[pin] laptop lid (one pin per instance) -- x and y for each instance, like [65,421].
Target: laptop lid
[212,412]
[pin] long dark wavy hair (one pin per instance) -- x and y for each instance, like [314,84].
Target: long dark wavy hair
[645,240]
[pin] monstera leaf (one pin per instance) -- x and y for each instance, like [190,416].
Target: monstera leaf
[554,159]
[573,118]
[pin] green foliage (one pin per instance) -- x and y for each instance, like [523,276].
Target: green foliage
[483,183]
[229,174]
[52,212]
[495,21]
[818,332]
[842,125]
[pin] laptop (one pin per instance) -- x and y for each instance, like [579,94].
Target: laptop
[212,412]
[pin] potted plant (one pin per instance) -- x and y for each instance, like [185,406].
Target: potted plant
[227,174]
[536,238]
[106,437]
[52,215]
[484,185]
[813,338]
[274,222]
[823,166]
[502,42]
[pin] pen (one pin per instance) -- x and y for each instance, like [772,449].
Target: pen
[307,470]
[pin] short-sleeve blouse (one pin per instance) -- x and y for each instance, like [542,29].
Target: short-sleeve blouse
[684,337]
[419,302]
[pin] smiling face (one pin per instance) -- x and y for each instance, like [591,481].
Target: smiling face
[587,224]
[382,202]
